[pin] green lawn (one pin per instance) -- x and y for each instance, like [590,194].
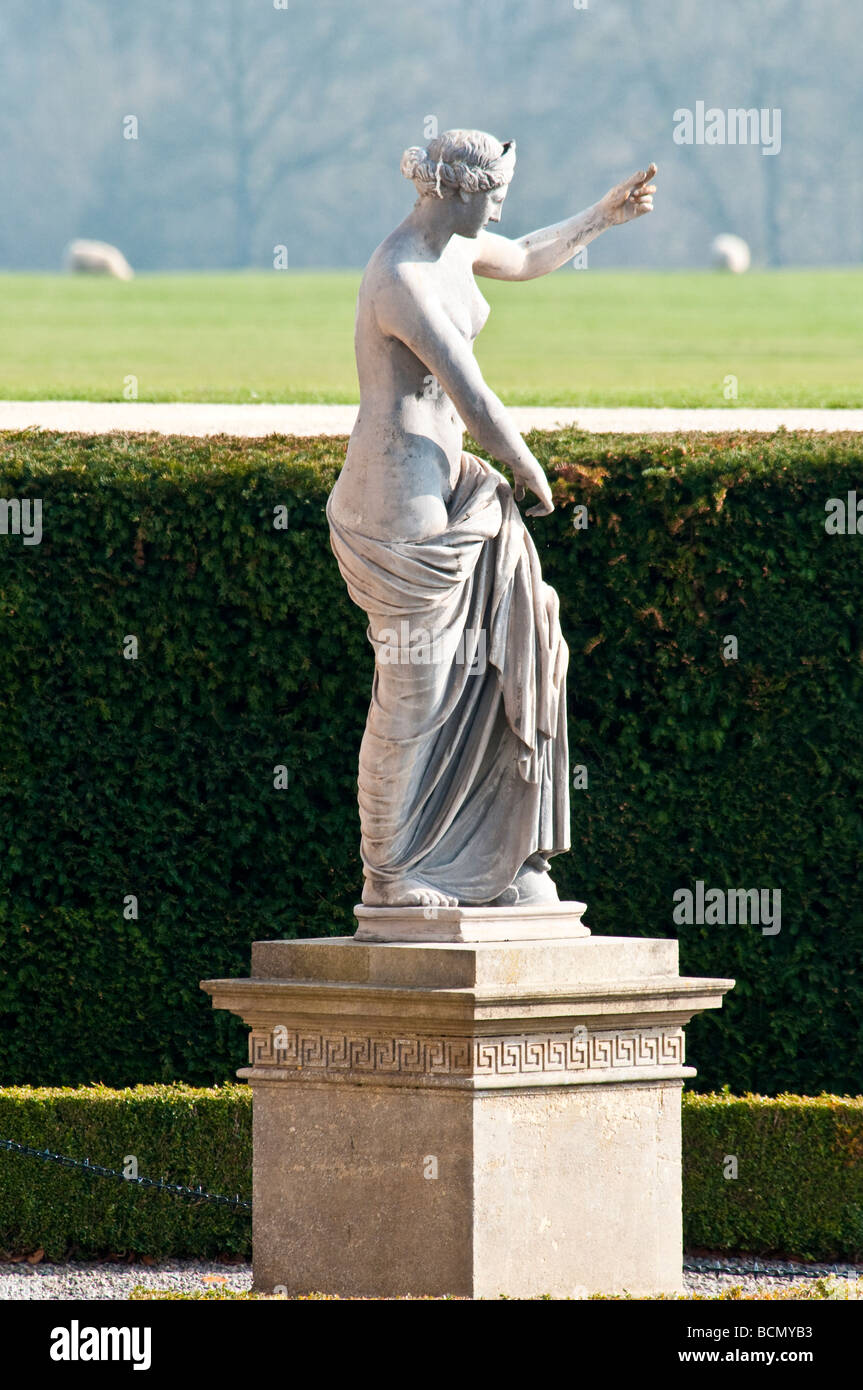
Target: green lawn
[791,338]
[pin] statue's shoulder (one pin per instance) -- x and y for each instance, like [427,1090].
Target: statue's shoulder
[392,267]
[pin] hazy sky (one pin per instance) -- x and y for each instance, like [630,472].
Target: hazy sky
[204,134]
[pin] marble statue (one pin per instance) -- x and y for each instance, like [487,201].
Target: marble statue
[463,772]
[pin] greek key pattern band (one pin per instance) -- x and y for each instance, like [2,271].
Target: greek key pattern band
[575,1051]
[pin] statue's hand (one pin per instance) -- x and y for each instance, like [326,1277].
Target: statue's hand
[630,199]
[534,479]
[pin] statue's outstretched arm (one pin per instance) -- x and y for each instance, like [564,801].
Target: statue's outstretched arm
[542,251]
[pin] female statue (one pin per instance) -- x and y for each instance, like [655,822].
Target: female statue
[463,776]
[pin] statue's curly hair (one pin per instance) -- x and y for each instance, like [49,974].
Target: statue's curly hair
[460,159]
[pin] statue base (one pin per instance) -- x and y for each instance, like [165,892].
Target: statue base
[536,922]
[474,1119]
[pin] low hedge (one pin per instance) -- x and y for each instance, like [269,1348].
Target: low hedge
[798,1190]
[183,1135]
[153,778]
[799,1183]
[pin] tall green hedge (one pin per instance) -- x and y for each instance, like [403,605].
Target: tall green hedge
[154,777]
[797,1188]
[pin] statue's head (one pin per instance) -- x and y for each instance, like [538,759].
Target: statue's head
[467,167]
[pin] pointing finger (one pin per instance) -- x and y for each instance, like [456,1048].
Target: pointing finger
[643,176]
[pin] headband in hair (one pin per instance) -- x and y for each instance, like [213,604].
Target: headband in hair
[418,165]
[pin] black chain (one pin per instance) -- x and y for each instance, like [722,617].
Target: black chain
[775,1271]
[198,1194]
[96,1170]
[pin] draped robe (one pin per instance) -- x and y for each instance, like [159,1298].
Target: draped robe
[464,764]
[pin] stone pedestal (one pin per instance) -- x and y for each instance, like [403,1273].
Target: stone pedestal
[469,1117]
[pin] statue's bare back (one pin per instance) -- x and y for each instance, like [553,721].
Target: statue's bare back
[404,454]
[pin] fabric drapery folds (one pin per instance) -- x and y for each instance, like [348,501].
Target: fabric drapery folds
[464,765]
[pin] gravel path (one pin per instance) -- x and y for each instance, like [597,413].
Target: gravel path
[711,1275]
[90,1280]
[115,1281]
[253,421]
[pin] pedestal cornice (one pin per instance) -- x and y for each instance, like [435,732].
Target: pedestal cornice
[476,1036]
